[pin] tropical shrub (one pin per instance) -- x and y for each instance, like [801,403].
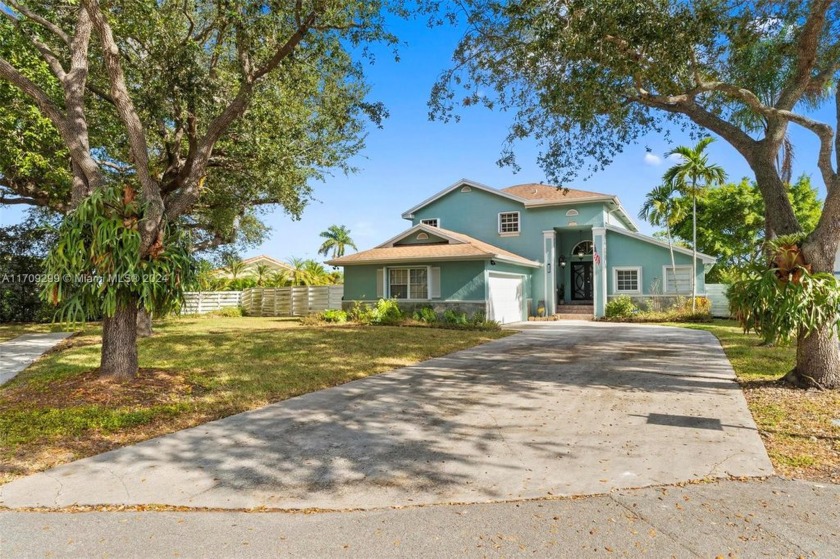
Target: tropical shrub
[228,312]
[387,312]
[334,315]
[452,317]
[620,307]
[425,314]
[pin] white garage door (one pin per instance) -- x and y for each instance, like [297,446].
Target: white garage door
[505,298]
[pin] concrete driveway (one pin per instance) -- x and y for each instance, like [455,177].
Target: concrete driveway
[562,409]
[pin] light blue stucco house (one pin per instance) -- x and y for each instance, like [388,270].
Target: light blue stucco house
[513,252]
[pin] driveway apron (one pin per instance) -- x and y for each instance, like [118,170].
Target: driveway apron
[566,409]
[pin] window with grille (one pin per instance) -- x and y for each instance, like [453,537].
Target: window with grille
[408,283]
[434,222]
[509,222]
[627,280]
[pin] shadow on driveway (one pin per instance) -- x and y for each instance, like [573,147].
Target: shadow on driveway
[578,409]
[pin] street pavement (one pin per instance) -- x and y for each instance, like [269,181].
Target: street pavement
[733,519]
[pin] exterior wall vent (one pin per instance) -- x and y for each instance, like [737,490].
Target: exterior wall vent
[466,189]
[422,237]
[571,213]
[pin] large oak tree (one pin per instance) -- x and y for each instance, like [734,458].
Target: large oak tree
[208,109]
[587,78]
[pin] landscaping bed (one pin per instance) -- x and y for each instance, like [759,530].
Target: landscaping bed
[796,425]
[193,370]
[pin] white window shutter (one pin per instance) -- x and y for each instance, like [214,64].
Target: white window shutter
[434,283]
[380,282]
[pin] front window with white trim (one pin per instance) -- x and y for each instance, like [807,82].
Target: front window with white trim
[432,222]
[408,283]
[508,222]
[627,279]
[677,279]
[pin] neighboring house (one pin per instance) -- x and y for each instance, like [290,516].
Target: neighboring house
[837,264]
[250,269]
[513,251]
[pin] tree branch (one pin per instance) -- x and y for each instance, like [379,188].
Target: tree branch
[45,23]
[806,57]
[134,127]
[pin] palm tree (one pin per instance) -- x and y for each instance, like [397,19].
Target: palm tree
[660,209]
[298,273]
[337,240]
[316,273]
[691,175]
[234,267]
[262,271]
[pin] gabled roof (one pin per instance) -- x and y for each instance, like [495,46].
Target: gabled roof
[533,195]
[457,247]
[263,259]
[408,214]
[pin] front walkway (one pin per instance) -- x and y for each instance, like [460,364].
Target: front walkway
[569,409]
[19,353]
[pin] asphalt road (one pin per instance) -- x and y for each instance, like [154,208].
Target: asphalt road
[773,518]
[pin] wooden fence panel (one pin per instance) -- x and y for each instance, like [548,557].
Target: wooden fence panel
[201,302]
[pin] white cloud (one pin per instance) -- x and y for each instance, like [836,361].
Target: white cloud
[652,159]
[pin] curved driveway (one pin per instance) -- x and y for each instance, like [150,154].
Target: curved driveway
[560,409]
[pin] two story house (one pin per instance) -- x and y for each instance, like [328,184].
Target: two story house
[517,252]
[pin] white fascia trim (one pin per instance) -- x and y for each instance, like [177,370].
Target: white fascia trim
[436,231]
[402,261]
[704,257]
[409,214]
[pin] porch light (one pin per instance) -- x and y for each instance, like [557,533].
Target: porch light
[580,254]
[562,261]
[492,262]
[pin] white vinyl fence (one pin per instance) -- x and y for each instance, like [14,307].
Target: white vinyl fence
[716,292]
[259,301]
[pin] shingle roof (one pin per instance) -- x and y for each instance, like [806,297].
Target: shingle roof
[459,247]
[549,193]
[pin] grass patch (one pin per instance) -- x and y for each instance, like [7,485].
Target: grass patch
[11,330]
[796,425]
[193,370]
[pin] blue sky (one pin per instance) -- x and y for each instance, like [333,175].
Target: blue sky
[411,158]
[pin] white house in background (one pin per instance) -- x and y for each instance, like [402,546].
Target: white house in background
[837,264]
[251,264]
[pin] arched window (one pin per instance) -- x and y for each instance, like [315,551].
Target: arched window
[582,248]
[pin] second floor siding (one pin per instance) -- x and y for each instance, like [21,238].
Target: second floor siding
[476,213]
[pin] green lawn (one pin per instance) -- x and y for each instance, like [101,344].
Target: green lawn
[193,370]
[796,425]
[13,330]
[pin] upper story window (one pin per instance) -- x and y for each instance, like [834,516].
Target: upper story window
[433,222]
[508,222]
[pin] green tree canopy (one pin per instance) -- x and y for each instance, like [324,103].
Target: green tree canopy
[730,223]
[208,111]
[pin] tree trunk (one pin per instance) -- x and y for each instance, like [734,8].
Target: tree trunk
[144,323]
[119,344]
[779,216]
[817,360]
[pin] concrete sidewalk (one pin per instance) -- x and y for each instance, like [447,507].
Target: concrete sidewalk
[773,518]
[572,410]
[19,353]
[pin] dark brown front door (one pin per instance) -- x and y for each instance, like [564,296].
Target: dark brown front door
[581,281]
